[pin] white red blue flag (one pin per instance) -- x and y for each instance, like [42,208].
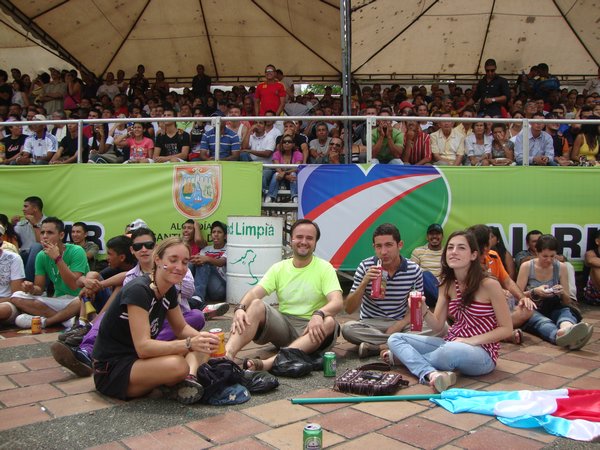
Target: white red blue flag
[570,413]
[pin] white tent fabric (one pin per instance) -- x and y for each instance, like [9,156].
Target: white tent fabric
[235,39]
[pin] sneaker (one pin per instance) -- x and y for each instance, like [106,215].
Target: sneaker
[196,302]
[70,323]
[187,392]
[66,357]
[268,199]
[74,329]
[295,200]
[365,350]
[24,321]
[76,336]
[444,380]
[216,310]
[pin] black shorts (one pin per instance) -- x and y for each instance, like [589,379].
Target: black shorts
[112,377]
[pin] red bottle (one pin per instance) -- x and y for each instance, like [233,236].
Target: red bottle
[376,283]
[416,313]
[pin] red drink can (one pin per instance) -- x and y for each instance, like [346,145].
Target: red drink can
[220,351]
[36,325]
[416,313]
[376,283]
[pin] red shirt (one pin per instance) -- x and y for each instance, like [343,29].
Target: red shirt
[269,96]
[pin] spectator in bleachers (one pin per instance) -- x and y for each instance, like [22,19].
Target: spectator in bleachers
[67,148]
[40,146]
[388,142]
[287,153]
[201,83]
[335,152]
[503,149]
[73,91]
[161,86]
[172,145]
[14,142]
[447,145]
[541,149]
[109,87]
[53,93]
[141,148]
[466,128]
[241,128]
[229,145]
[492,91]
[319,147]
[138,83]
[559,143]
[587,144]
[261,146]
[270,94]
[102,148]
[290,128]
[478,146]
[417,145]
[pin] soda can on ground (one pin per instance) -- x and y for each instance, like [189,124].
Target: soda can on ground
[312,437]
[36,325]
[329,364]
[220,351]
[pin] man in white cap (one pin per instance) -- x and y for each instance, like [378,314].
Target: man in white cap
[12,275]
[40,146]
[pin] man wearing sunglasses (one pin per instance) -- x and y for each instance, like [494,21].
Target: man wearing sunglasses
[270,94]
[492,92]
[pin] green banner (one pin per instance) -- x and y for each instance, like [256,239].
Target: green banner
[108,197]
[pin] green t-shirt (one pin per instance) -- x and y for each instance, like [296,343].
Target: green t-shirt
[385,155]
[301,291]
[74,257]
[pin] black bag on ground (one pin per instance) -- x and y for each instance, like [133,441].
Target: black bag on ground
[294,363]
[217,374]
[259,382]
[370,379]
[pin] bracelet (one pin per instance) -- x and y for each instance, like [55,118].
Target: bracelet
[188,343]
[318,312]
[238,307]
[58,259]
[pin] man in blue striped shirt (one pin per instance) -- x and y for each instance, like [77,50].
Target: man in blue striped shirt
[381,317]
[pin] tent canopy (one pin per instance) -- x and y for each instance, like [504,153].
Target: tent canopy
[235,39]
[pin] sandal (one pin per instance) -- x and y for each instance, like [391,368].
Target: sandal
[257,364]
[517,336]
[388,358]
[443,381]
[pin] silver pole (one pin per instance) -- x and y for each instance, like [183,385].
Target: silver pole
[346,41]
[79,141]
[525,134]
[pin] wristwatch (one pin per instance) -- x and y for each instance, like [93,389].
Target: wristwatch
[318,312]
[240,306]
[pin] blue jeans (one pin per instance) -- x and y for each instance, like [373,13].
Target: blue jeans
[209,285]
[30,263]
[430,287]
[425,354]
[276,184]
[547,327]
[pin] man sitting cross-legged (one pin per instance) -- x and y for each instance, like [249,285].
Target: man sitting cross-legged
[380,317]
[309,296]
[63,264]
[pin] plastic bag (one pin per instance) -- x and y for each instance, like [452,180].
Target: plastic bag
[294,363]
[258,382]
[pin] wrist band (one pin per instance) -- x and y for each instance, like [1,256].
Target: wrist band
[188,343]
[318,312]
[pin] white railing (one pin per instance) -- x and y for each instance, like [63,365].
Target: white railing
[371,121]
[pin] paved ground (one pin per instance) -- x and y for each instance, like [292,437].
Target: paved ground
[45,406]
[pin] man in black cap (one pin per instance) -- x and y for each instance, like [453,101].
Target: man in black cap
[429,258]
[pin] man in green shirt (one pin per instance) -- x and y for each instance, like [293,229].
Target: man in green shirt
[62,264]
[309,296]
[388,142]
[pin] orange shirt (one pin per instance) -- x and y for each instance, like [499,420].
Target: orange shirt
[493,262]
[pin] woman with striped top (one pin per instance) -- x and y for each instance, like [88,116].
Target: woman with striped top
[481,316]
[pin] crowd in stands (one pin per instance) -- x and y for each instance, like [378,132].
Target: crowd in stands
[62,94]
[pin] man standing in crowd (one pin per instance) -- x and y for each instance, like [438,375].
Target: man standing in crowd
[201,83]
[270,94]
[492,92]
[309,296]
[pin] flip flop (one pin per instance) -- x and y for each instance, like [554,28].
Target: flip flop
[257,364]
[573,335]
[581,343]
[387,357]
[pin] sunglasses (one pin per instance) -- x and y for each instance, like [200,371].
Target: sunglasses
[269,71]
[149,245]
[288,142]
[335,144]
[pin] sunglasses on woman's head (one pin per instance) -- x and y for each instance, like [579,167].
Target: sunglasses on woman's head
[149,245]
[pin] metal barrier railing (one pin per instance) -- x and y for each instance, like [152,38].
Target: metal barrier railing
[370,121]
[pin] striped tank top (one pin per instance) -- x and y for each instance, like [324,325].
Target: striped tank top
[473,320]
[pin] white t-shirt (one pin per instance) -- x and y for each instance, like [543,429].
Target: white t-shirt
[11,268]
[264,142]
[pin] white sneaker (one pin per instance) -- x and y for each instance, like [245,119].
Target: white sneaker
[69,323]
[295,200]
[268,199]
[215,310]
[24,321]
